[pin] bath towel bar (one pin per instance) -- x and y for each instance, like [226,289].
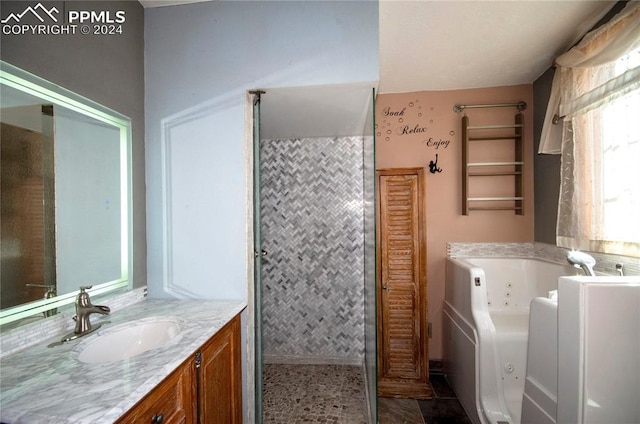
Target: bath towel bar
[520,105]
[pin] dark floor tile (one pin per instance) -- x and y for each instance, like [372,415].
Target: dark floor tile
[440,386]
[435,365]
[447,420]
[399,411]
[441,411]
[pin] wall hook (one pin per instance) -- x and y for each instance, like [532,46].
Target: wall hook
[433,166]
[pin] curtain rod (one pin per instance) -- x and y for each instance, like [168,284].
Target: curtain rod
[520,105]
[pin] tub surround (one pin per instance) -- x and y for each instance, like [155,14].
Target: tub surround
[49,385]
[605,263]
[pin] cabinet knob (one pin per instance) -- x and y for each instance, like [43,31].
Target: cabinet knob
[157,419]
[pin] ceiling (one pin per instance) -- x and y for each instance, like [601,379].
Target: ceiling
[435,45]
[446,45]
[452,44]
[339,110]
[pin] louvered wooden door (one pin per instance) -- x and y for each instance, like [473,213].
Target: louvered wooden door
[402,304]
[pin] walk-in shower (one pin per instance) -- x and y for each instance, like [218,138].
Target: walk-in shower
[316,216]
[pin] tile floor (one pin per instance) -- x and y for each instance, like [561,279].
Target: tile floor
[444,407]
[335,394]
[399,411]
[314,394]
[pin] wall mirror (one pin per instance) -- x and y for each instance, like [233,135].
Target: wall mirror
[65,196]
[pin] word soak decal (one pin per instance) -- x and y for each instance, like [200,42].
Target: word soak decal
[411,122]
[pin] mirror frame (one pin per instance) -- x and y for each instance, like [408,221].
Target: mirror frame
[49,92]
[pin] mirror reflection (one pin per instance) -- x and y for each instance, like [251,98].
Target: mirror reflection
[64,196]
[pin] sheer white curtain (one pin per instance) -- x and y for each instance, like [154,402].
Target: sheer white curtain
[596,92]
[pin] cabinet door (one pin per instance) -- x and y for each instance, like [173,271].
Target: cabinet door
[220,377]
[402,303]
[170,402]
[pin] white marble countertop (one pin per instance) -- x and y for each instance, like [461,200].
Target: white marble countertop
[49,385]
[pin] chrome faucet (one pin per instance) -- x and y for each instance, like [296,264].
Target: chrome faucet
[84,309]
[582,260]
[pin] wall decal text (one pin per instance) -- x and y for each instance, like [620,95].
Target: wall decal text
[411,121]
[436,144]
[388,112]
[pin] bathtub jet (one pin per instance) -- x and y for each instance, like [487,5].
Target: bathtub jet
[582,260]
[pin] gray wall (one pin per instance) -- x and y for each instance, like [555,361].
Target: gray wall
[546,180]
[108,69]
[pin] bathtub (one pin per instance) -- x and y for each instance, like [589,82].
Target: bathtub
[486,325]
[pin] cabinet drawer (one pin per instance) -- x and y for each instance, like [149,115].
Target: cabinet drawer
[169,403]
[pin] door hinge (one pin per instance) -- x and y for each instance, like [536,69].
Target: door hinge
[198,362]
[429,333]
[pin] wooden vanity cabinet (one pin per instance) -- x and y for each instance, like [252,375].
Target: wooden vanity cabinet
[170,402]
[220,377]
[208,386]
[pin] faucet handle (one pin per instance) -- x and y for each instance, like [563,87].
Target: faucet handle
[83,297]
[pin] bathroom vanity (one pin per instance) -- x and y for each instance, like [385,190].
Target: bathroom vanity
[195,372]
[208,385]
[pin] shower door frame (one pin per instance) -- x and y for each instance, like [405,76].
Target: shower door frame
[254,326]
[255,295]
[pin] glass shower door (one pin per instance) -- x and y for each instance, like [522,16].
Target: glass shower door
[370,312]
[258,255]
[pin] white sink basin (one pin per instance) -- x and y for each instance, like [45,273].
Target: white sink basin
[128,340]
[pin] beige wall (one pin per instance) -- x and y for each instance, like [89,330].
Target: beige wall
[409,127]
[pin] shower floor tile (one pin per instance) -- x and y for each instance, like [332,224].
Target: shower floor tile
[313,394]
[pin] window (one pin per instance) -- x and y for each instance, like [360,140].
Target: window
[596,92]
[620,178]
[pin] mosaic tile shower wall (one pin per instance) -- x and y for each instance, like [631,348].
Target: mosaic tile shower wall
[312,228]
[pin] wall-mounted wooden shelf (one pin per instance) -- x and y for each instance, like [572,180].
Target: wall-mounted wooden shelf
[514,169]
